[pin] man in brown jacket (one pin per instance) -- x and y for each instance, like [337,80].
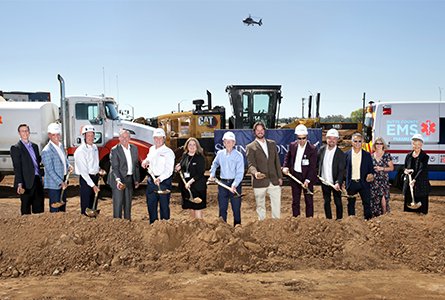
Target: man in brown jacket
[264,165]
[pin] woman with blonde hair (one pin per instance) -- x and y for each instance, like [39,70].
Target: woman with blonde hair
[192,166]
[383,164]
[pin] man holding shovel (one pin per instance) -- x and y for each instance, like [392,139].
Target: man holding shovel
[57,167]
[264,166]
[231,164]
[86,164]
[331,169]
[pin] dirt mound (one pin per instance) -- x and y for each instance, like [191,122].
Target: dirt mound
[51,244]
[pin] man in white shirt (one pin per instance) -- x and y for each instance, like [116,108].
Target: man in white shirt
[161,160]
[331,167]
[265,167]
[124,174]
[301,162]
[56,166]
[86,165]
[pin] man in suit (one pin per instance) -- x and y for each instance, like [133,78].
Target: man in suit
[331,167]
[359,174]
[124,174]
[301,162]
[28,175]
[264,166]
[56,166]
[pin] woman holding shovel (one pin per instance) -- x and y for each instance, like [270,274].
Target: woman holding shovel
[416,187]
[193,186]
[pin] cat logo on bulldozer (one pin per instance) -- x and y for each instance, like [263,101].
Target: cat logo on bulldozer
[209,121]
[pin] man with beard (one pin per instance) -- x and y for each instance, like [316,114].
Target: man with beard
[264,166]
[331,168]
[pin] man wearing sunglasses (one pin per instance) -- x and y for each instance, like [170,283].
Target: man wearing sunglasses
[359,174]
[301,162]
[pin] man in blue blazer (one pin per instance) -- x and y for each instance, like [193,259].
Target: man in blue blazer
[56,165]
[27,173]
[359,174]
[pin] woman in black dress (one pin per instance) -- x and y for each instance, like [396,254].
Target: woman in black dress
[416,163]
[192,166]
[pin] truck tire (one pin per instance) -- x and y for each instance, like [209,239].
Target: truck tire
[105,165]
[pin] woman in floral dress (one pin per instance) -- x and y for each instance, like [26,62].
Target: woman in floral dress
[380,186]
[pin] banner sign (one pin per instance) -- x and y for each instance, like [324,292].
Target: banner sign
[283,137]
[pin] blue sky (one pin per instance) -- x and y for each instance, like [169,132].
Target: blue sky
[158,53]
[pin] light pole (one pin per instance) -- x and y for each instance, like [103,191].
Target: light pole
[179,105]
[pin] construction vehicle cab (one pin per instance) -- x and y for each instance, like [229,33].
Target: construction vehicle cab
[253,103]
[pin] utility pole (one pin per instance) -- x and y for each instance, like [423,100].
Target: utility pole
[302,107]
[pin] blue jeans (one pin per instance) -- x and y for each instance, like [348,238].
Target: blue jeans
[223,202]
[54,196]
[163,199]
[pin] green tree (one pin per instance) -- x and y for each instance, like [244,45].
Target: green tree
[357,115]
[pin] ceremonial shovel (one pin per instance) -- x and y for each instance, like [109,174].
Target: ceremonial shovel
[192,199]
[159,191]
[94,212]
[325,182]
[300,183]
[61,202]
[218,182]
[412,205]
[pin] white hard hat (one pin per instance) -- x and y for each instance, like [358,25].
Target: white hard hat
[229,136]
[332,132]
[417,136]
[159,132]
[301,130]
[88,128]
[54,128]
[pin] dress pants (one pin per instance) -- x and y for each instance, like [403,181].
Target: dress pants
[274,192]
[33,199]
[327,191]
[154,198]
[122,198]
[87,194]
[296,195]
[224,196]
[365,194]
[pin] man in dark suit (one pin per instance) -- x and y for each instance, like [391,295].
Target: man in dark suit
[265,168]
[301,162]
[331,167]
[359,174]
[28,175]
[124,175]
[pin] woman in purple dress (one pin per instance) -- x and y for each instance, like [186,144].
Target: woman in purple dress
[380,186]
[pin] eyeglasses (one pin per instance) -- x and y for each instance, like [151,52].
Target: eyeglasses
[378,144]
[301,138]
[357,141]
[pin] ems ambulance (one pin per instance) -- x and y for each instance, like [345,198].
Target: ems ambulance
[397,122]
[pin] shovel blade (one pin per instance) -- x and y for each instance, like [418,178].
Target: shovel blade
[196,200]
[57,204]
[414,205]
[163,192]
[91,212]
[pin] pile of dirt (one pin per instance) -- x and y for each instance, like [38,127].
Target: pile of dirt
[51,244]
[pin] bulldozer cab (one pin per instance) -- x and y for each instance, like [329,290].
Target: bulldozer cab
[253,103]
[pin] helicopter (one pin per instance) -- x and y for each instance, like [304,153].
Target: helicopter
[250,21]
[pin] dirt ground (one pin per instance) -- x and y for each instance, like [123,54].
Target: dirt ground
[69,256]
